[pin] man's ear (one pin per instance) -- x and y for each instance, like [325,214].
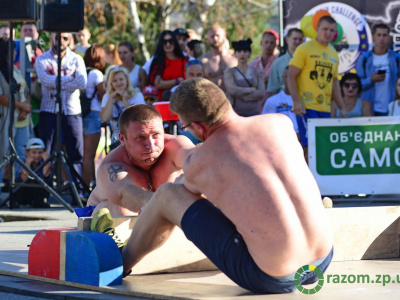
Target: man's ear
[199,127]
[122,138]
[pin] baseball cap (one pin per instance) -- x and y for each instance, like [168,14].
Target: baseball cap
[35,143]
[181,31]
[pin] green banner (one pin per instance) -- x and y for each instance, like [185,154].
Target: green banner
[349,150]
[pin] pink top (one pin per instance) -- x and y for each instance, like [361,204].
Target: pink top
[257,63]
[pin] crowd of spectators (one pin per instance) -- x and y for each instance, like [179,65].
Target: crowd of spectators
[301,82]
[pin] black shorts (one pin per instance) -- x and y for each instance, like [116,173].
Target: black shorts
[216,236]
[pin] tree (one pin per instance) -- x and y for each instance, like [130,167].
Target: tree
[141,21]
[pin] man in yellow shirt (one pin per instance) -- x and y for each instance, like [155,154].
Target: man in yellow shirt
[312,77]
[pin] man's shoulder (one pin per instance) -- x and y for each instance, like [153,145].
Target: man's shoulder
[206,56]
[118,155]
[74,55]
[229,53]
[394,53]
[310,43]
[282,61]
[174,142]
[254,62]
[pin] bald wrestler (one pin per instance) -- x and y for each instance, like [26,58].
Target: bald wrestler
[146,158]
[248,199]
[219,58]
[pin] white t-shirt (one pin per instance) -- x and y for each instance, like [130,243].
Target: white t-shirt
[118,108]
[134,77]
[382,93]
[394,108]
[94,78]
[281,103]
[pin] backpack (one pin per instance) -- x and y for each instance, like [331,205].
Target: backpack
[85,101]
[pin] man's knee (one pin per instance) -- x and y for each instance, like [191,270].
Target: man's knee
[172,191]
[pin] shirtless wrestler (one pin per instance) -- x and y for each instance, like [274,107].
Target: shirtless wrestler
[219,58]
[270,220]
[146,158]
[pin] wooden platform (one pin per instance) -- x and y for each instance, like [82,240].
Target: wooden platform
[360,233]
[203,285]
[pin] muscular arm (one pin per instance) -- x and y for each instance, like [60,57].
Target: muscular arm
[189,178]
[118,187]
[298,107]
[179,147]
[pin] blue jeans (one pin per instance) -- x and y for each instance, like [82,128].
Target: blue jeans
[92,123]
[217,237]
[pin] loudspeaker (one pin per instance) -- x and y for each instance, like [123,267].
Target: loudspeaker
[19,10]
[61,15]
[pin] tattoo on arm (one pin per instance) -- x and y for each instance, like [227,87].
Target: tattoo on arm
[114,169]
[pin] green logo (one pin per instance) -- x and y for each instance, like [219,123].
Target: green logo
[304,269]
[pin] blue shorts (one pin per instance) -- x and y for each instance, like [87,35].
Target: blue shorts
[92,123]
[216,236]
[302,123]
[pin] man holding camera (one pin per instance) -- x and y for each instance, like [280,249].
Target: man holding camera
[379,69]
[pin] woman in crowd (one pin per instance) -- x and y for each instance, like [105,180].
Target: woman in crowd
[168,66]
[245,85]
[195,48]
[22,107]
[137,76]
[95,63]
[394,107]
[351,89]
[120,94]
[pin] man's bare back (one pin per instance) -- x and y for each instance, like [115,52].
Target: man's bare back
[271,214]
[263,214]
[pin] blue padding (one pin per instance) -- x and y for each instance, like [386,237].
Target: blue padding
[84,211]
[92,258]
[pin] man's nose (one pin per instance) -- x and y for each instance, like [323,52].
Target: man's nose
[151,144]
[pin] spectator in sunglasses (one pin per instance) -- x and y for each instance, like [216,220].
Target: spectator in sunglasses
[351,89]
[168,66]
[73,78]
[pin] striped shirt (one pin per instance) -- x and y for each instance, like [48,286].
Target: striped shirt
[73,78]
